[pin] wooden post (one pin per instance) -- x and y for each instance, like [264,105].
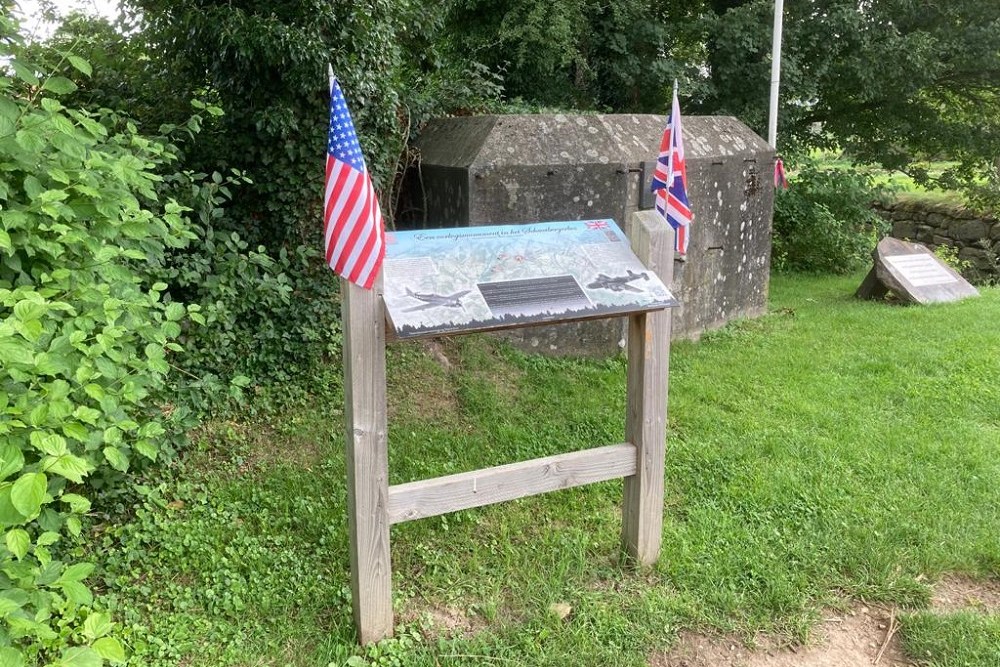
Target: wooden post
[646,407]
[367,460]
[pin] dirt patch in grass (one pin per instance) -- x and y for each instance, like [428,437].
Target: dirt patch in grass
[505,379]
[439,351]
[442,621]
[420,387]
[848,640]
[843,640]
[961,593]
[428,378]
[242,448]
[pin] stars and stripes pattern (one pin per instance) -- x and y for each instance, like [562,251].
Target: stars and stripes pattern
[670,180]
[354,234]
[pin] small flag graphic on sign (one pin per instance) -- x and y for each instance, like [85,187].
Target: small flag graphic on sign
[670,179]
[354,235]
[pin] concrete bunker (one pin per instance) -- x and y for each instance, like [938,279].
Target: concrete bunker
[526,168]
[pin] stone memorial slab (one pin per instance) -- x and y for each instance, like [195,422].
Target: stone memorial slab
[914,274]
[456,280]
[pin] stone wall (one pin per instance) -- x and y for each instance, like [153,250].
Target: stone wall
[975,236]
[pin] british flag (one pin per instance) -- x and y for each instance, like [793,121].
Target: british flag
[670,180]
[354,234]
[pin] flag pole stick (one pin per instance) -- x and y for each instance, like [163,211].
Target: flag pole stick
[772,119]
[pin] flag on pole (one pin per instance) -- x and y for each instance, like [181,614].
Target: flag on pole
[354,235]
[780,178]
[670,179]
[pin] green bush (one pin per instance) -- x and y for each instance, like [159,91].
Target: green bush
[824,222]
[269,317]
[272,319]
[86,342]
[268,300]
[266,64]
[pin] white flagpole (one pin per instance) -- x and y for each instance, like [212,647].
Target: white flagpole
[772,119]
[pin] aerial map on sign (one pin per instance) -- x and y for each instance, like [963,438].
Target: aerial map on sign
[474,278]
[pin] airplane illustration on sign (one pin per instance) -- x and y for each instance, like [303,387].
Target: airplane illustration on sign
[618,283]
[432,300]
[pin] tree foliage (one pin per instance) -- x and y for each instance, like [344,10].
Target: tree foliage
[582,54]
[266,64]
[892,82]
[825,223]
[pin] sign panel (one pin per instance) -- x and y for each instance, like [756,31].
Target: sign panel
[477,278]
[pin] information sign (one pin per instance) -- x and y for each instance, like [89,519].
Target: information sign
[478,278]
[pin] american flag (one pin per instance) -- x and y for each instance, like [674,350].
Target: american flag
[354,235]
[670,180]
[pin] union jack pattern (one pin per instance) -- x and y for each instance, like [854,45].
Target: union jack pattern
[670,180]
[353,231]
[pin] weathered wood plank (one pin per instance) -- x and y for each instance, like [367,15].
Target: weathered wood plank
[367,460]
[431,497]
[391,337]
[646,411]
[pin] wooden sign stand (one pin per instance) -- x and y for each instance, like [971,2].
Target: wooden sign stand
[373,506]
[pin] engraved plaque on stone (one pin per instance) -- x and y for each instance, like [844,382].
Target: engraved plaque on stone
[921,270]
[914,274]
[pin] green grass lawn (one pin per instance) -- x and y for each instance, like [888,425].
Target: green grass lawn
[832,449]
[953,640]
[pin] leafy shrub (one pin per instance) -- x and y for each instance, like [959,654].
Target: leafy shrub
[268,302]
[85,344]
[949,255]
[824,222]
[267,317]
[270,319]
[266,64]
